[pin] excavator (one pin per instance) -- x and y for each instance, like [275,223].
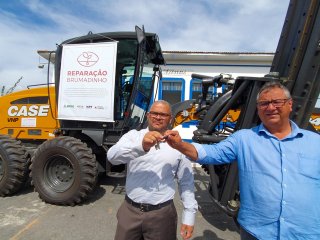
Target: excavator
[296,64]
[103,85]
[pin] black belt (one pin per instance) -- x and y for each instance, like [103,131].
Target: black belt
[144,207]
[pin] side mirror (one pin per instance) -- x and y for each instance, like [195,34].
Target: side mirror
[140,34]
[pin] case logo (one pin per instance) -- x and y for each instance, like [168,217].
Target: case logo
[28,111]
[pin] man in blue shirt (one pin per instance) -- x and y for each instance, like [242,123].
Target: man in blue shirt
[148,211]
[279,170]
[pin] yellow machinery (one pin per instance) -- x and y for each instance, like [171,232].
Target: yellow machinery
[29,114]
[64,169]
[190,112]
[315,119]
[192,115]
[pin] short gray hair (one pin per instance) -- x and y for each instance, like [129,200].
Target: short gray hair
[164,103]
[273,84]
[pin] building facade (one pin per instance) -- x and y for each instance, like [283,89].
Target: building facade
[178,85]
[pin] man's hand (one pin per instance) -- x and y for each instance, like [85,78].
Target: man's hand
[150,139]
[186,231]
[173,138]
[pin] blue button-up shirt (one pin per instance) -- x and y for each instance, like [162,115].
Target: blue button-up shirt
[279,180]
[151,175]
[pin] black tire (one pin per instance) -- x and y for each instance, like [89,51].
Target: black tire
[14,166]
[64,171]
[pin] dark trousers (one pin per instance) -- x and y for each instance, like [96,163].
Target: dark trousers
[244,235]
[133,224]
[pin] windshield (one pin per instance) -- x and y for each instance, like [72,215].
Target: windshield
[143,96]
[126,61]
[133,86]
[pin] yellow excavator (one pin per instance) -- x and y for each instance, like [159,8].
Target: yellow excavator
[103,86]
[30,114]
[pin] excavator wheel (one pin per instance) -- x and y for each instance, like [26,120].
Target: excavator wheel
[63,171]
[14,166]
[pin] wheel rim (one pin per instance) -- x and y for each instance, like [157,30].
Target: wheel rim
[1,168]
[59,173]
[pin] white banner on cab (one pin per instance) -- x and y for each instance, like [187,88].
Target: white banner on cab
[87,80]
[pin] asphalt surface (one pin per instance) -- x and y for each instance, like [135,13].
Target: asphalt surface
[24,216]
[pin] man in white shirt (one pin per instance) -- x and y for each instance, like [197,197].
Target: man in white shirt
[148,211]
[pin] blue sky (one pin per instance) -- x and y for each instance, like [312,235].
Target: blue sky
[182,25]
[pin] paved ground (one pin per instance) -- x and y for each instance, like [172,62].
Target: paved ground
[24,216]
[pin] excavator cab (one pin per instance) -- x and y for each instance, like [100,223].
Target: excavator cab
[137,67]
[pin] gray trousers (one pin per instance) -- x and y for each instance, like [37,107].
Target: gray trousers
[158,224]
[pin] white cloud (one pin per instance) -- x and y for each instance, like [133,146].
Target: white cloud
[203,25]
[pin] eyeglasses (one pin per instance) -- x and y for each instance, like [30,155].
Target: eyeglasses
[278,103]
[159,115]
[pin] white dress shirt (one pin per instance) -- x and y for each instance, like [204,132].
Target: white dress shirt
[151,175]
